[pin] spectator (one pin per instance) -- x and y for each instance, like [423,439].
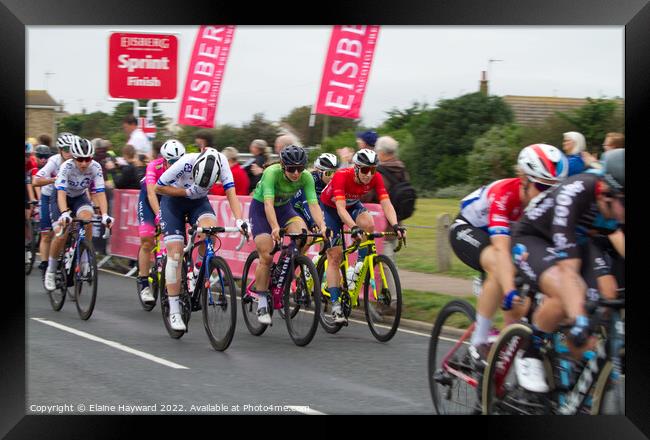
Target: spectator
[137,138]
[255,166]
[284,141]
[612,141]
[30,160]
[238,174]
[46,140]
[367,139]
[203,140]
[573,145]
[156,146]
[345,156]
[131,169]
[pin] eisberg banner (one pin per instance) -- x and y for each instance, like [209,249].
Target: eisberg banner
[205,75]
[345,75]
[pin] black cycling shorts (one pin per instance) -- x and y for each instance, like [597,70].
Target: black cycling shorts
[468,242]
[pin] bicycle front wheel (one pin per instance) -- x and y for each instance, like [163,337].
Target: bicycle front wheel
[219,303]
[57,296]
[85,280]
[325,315]
[302,302]
[453,386]
[382,299]
[248,303]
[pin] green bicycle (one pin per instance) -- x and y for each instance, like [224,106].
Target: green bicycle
[382,291]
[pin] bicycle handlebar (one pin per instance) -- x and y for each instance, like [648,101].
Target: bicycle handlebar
[213,230]
[83,223]
[374,235]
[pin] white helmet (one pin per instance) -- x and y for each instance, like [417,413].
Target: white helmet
[65,140]
[207,168]
[81,147]
[326,162]
[365,158]
[172,150]
[542,161]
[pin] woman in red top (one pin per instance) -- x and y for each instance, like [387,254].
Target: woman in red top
[238,174]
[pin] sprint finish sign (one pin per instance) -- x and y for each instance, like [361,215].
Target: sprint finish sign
[142,66]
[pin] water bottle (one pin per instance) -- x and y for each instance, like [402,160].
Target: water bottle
[352,274]
[67,259]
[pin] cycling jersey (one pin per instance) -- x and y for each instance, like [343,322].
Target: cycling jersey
[299,202]
[49,171]
[179,175]
[155,169]
[560,213]
[344,187]
[493,207]
[275,185]
[75,182]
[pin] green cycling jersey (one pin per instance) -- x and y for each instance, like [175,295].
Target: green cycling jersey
[275,185]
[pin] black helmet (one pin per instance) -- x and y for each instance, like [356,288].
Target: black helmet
[293,155]
[614,169]
[43,151]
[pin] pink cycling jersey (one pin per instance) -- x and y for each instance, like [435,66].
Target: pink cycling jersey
[155,169]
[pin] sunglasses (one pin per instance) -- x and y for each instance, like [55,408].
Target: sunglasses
[367,170]
[83,159]
[172,161]
[328,173]
[294,169]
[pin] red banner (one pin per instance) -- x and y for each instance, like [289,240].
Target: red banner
[205,75]
[142,66]
[346,70]
[125,241]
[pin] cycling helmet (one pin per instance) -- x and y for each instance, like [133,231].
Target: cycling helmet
[365,158]
[207,168]
[542,161]
[29,148]
[82,148]
[43,150]
[293,155]
[65,140]
[614,169]
[172,150]
[326,162]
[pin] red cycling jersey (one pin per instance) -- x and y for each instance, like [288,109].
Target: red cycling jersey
[344,187]
[494,206]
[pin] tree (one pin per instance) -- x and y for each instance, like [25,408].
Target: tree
[299,117]
[398,119]
[258,128]
[494,154]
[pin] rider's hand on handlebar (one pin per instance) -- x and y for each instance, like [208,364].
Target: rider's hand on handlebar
[356,233]
[399,230]
[275,234]
[107,220]
[65,218]
[242,225]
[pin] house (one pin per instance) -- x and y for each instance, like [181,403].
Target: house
[42,114]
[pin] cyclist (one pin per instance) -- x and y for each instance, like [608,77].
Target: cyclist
[551,256]
[29,192]
[149,211]
[341,206]
[75,177]
[325,166]
[271,210]
[184,187]
[480,234]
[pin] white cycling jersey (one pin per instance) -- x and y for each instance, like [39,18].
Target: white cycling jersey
[179,175]
[49,171]
[74,182]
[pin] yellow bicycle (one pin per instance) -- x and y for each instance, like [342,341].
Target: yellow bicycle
[382,291]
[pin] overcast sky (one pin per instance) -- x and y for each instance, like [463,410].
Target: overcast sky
[273,69]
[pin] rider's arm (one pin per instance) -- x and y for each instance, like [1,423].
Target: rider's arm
[153,199]
[99,200]
[233,201]
[389,211]
[228,183]
[172,175]
[309,189]
[170,191]
[61,200]
[269,210]
[505,268]
[618,241]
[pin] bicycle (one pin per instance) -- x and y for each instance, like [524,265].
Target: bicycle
[214,290]
[34,235]
[576,386]
[384,309]
[76,265]
[291,294]
[155,271]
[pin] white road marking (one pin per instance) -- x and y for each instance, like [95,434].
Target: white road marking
[306,410]
[113,344]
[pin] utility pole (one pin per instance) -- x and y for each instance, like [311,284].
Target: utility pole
[47,77]
[490,61]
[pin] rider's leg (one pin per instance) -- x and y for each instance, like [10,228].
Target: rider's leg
[334,258]
[144,257]
[44,247]
[364,220]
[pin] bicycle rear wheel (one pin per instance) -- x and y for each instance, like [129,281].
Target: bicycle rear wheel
[248,303]
[302,303]
[30,249]
[383,311]
[219,303]
[85,280]
[501,393]
[449,382]
[164,301]
[325,315]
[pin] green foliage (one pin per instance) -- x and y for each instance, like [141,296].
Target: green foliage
[400,119]
[298,119]
[344,139]
[494,154]
[455,191]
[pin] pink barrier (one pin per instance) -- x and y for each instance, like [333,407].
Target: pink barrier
[125,241]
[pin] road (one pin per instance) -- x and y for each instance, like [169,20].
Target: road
[346,373]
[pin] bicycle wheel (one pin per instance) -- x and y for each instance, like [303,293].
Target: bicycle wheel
[500,393]
[383,311]
[219,303]
[153,278]
[57,296]
[248,303]
[85,280]
[325,315]
[164,301]
[450,384]
[30,249]
[301,303]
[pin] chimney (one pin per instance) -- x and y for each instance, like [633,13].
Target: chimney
[483,87]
